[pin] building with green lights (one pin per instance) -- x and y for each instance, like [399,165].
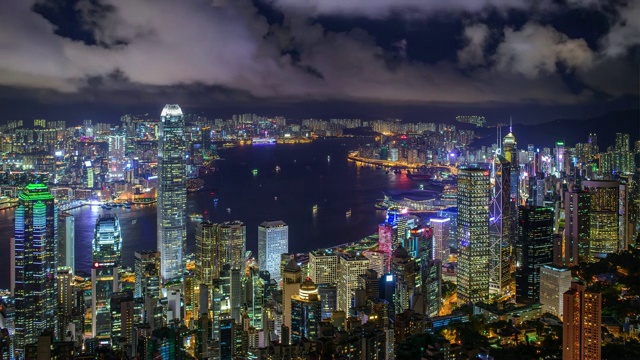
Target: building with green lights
[35,264]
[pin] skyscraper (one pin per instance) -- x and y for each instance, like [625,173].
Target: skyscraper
[500,225]
[273,240]
[577,226]
[36,226]
[208,255]
[291,280]
[172,193]
[350,267]
[534,248]
[146,266]
[232,235]
[441,228]
[107,259]
[323,267]
[581,338]
[66,240]
[473,235]
[554,282]
[306,312]
[603,212]
[404,271]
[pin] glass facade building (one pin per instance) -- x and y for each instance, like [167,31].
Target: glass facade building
[273,240]
[36,226]
[473,235]
[534,248]
[172,193]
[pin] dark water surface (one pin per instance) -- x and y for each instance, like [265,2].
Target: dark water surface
[306,177]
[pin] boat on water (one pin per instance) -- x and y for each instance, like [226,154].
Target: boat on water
[278,168]
[381,206]
[315,208]
[228,210]
[255,172]
[263,141]
[127,206]
[348,213]
[134,221]
[196,217]
[419,175]
[107,206]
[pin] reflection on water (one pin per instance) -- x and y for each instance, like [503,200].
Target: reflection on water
[290,180]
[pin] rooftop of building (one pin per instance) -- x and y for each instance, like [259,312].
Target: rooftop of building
[270,224]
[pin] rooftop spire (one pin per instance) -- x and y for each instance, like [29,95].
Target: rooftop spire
[510,124]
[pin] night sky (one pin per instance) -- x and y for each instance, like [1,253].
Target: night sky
[421,60]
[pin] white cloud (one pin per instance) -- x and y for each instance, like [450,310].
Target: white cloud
[473,54]
[537,50]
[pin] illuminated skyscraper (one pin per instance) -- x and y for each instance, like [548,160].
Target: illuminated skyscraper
[473,235]
[350,267]
[404,271]
[273,240]
[147,270]
[36,226]
[233,237]
[208,253]
[500,225]
[306,312]
[534,248]
[323,267]
[577,226]
[105,278]
[582,320]
[603,212]
[554,282]
[441,238]
[66,240]
[172,193]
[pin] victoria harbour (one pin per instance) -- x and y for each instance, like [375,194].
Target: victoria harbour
[309,174]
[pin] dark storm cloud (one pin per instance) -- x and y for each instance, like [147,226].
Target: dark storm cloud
[154,47]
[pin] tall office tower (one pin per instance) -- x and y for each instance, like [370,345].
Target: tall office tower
[233,238]
[117,147]
[554,282]
[473,235]
[622,142]
[36,232]
[291,280]
[500,225]
[66,240]
[404,271]
[255,297]
[323,267]
[593,142]
[441,228]
[105,278]
[430,281]
[581,338]
[146,266]
[350,266]
[65,298]
[536,190]
[510,152]
[121,305]
[172,193]
[534,248]
[273,240]
[560,157]
[603,213]
[577,226]
[385,240]
[209,253]
[306,312]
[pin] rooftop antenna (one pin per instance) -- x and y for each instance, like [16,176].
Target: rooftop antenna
[510,124]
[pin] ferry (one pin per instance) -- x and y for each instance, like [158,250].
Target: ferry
[196,217]
[107,206]
[263,141]
[127,206]
[349,213]
[315,208]
[419,176]
[255,172]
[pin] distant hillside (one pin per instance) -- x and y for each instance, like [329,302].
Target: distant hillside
[571,131]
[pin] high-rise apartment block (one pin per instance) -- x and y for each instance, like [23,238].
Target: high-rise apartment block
[172,193]
[582,320]
[473,235]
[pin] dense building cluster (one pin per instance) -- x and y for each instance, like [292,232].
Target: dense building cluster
[501,239]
